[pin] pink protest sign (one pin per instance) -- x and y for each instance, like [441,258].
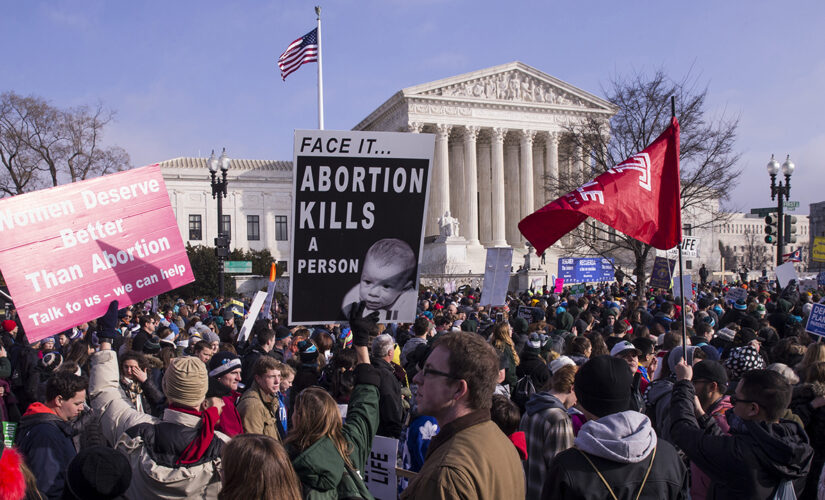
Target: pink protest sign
[559,288]
[66,252]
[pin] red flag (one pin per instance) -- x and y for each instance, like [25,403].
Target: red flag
[639,197]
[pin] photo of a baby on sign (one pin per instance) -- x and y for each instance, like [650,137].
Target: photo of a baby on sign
[387,282]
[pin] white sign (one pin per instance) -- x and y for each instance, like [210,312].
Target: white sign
[785,273]
[379,471]
[807,284]
[683,287]
[497,276]
[254,310]
[690,248]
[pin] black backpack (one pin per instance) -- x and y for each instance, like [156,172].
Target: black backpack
[525,387]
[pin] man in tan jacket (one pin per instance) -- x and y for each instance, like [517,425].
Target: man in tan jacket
[470,458]
[259,404]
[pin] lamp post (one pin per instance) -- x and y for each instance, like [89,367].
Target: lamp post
[219,192]
[781,193]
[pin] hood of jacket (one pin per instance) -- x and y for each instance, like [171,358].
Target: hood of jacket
[38,413]
[320,466]
[541,401]
[783,447]
[657,390]
[626,437]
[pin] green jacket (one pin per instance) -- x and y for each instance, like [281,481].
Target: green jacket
[320,468]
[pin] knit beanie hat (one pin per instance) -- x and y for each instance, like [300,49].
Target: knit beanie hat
[185,382]
[308,352]
[559,363]
[222,363]
[602,385]
[97,473]
[9,325]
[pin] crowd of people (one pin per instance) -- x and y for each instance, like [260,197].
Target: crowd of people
[551,396]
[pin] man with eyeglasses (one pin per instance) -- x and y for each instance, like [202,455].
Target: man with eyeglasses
[391,421]
[469,457]
[762,454]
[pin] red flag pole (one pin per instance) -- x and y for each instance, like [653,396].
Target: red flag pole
[681,271]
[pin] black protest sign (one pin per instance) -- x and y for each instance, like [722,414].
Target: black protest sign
[357,223]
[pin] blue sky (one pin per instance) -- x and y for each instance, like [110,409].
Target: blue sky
[185,77]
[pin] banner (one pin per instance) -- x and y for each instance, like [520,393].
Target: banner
[586,270]
[379,471]
[662,273]
[254,310]
[736,293]
[496,276]
[690,248]
[683,288]
[66,252]
[818,249]
[357,223]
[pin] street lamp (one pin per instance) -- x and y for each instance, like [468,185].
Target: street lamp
[219,192]
[781,193]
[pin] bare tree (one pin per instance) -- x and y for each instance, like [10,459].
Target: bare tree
[707,158]
[44,145]
[756,254]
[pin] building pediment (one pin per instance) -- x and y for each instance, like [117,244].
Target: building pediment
[515,83]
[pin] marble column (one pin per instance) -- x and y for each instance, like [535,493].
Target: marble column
[499,234]
[587,167]
[470,211]
[551,164]
[526,174]
[485,191]
[578,166]
[539,181]
[440,184]
[512,192]
[457,193]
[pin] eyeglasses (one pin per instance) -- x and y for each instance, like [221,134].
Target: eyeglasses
[734,400]
[427,371]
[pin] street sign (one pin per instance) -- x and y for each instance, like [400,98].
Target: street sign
[764,211]
[791,205]
[816,320]
[237,267]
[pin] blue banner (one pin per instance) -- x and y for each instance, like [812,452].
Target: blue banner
[586,270]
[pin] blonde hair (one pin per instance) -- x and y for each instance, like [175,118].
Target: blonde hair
[502,339]
[316,416]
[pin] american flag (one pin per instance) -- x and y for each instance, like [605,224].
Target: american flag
[302,50]
[795,256]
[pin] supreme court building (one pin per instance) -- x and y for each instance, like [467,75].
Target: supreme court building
[501,148]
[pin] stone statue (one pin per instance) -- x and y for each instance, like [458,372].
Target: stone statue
[531,260]
[448,225]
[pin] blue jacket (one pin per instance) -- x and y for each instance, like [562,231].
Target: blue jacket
[45,440]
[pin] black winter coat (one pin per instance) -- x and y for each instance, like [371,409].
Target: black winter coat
[747,464]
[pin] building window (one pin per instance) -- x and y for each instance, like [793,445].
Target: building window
[195,227]
[253,228]
[688,230]
[226,224]
[280,228]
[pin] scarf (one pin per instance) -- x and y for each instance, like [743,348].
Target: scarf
[134,391]
[195,450]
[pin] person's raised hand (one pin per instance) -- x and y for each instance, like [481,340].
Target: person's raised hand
[683,370]
[138,374]
[361,325]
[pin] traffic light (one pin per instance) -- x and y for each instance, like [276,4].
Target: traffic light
[790,229]
[771,229]
[222,246]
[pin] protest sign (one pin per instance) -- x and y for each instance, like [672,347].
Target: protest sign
[586,270]
[496,276]
[526,313]
[816,320]
[808,284]
[736,293]
[536,283]
[68,251]
[662,272]
[690,248]
[785,273]
[357,223]
[683,287]
[379,471]
[578,290]
[820,278]
[559,285]
[254,310]
[9,433]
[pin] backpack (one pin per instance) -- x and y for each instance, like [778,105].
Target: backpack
[525,387]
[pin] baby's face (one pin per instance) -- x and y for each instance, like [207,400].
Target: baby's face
[382,283]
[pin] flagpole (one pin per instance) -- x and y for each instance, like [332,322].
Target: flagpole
[681,271]
[320,74]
